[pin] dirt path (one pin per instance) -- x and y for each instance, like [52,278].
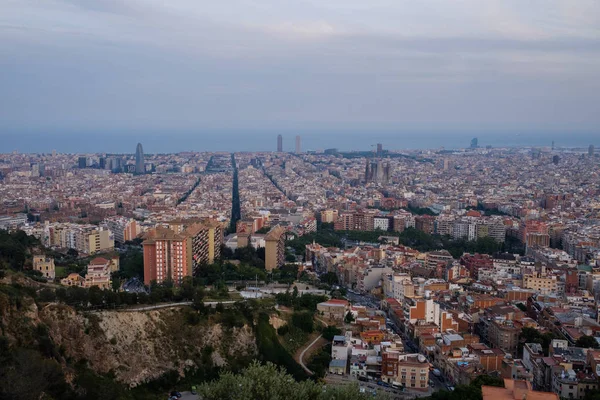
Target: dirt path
[313,343]
[305,351]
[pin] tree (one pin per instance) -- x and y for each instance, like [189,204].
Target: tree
[329,278]
[264,382]
[531,335]
[330,331]
[303,320]
[587,342]
[198,301]
[47,295]
[115,282]
[349,317]
[187,288]
[469,392]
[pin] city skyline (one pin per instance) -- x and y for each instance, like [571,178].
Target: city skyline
[118,145]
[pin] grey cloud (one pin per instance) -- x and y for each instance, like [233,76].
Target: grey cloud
[186,65]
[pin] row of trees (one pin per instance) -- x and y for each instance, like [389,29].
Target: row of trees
[410,237]
[96,298]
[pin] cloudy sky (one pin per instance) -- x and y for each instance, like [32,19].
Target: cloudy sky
[433,65]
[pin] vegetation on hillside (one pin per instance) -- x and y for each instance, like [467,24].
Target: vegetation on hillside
[15,248]
[271,350]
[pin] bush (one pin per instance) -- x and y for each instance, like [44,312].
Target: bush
[330,331]
[304,321]
[47,295]
[282,330]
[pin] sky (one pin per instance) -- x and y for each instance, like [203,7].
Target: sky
[134,66]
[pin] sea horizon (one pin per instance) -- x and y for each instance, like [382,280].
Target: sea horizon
[258,141]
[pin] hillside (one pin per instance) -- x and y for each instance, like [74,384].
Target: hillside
[68,352]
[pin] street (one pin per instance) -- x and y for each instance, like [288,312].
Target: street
[436,383]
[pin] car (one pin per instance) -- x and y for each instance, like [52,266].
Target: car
[175,394]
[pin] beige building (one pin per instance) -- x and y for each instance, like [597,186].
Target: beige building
[329,216]
[275,248]
[98,273]
[333,309]
[541,284]
[73,280]
[45,265]
[408,370]
[99,240]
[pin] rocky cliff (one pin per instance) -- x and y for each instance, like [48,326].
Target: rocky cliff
[133,346]
[141,346]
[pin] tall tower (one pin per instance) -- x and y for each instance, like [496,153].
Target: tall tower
[279,143]
[298,147]
[379,150]
[591,150]
[474,143]
[139,160]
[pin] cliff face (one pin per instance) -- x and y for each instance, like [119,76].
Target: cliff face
[136,347]
[141,346]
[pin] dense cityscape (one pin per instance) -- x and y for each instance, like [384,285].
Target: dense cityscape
[413,273]
[299,200]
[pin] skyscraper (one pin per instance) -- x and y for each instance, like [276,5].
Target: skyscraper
[82,162]
[279,143]
[474,143]
[591,150]
[379,150]
[139,159]
[298,147]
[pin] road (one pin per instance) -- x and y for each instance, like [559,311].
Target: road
[169,305]
[301,358]
[410,346]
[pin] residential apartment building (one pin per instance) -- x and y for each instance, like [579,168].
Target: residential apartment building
[167,256]
[98,273]
[206,240]
[408,370]
[541,283]
[123,229]
[275,248]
